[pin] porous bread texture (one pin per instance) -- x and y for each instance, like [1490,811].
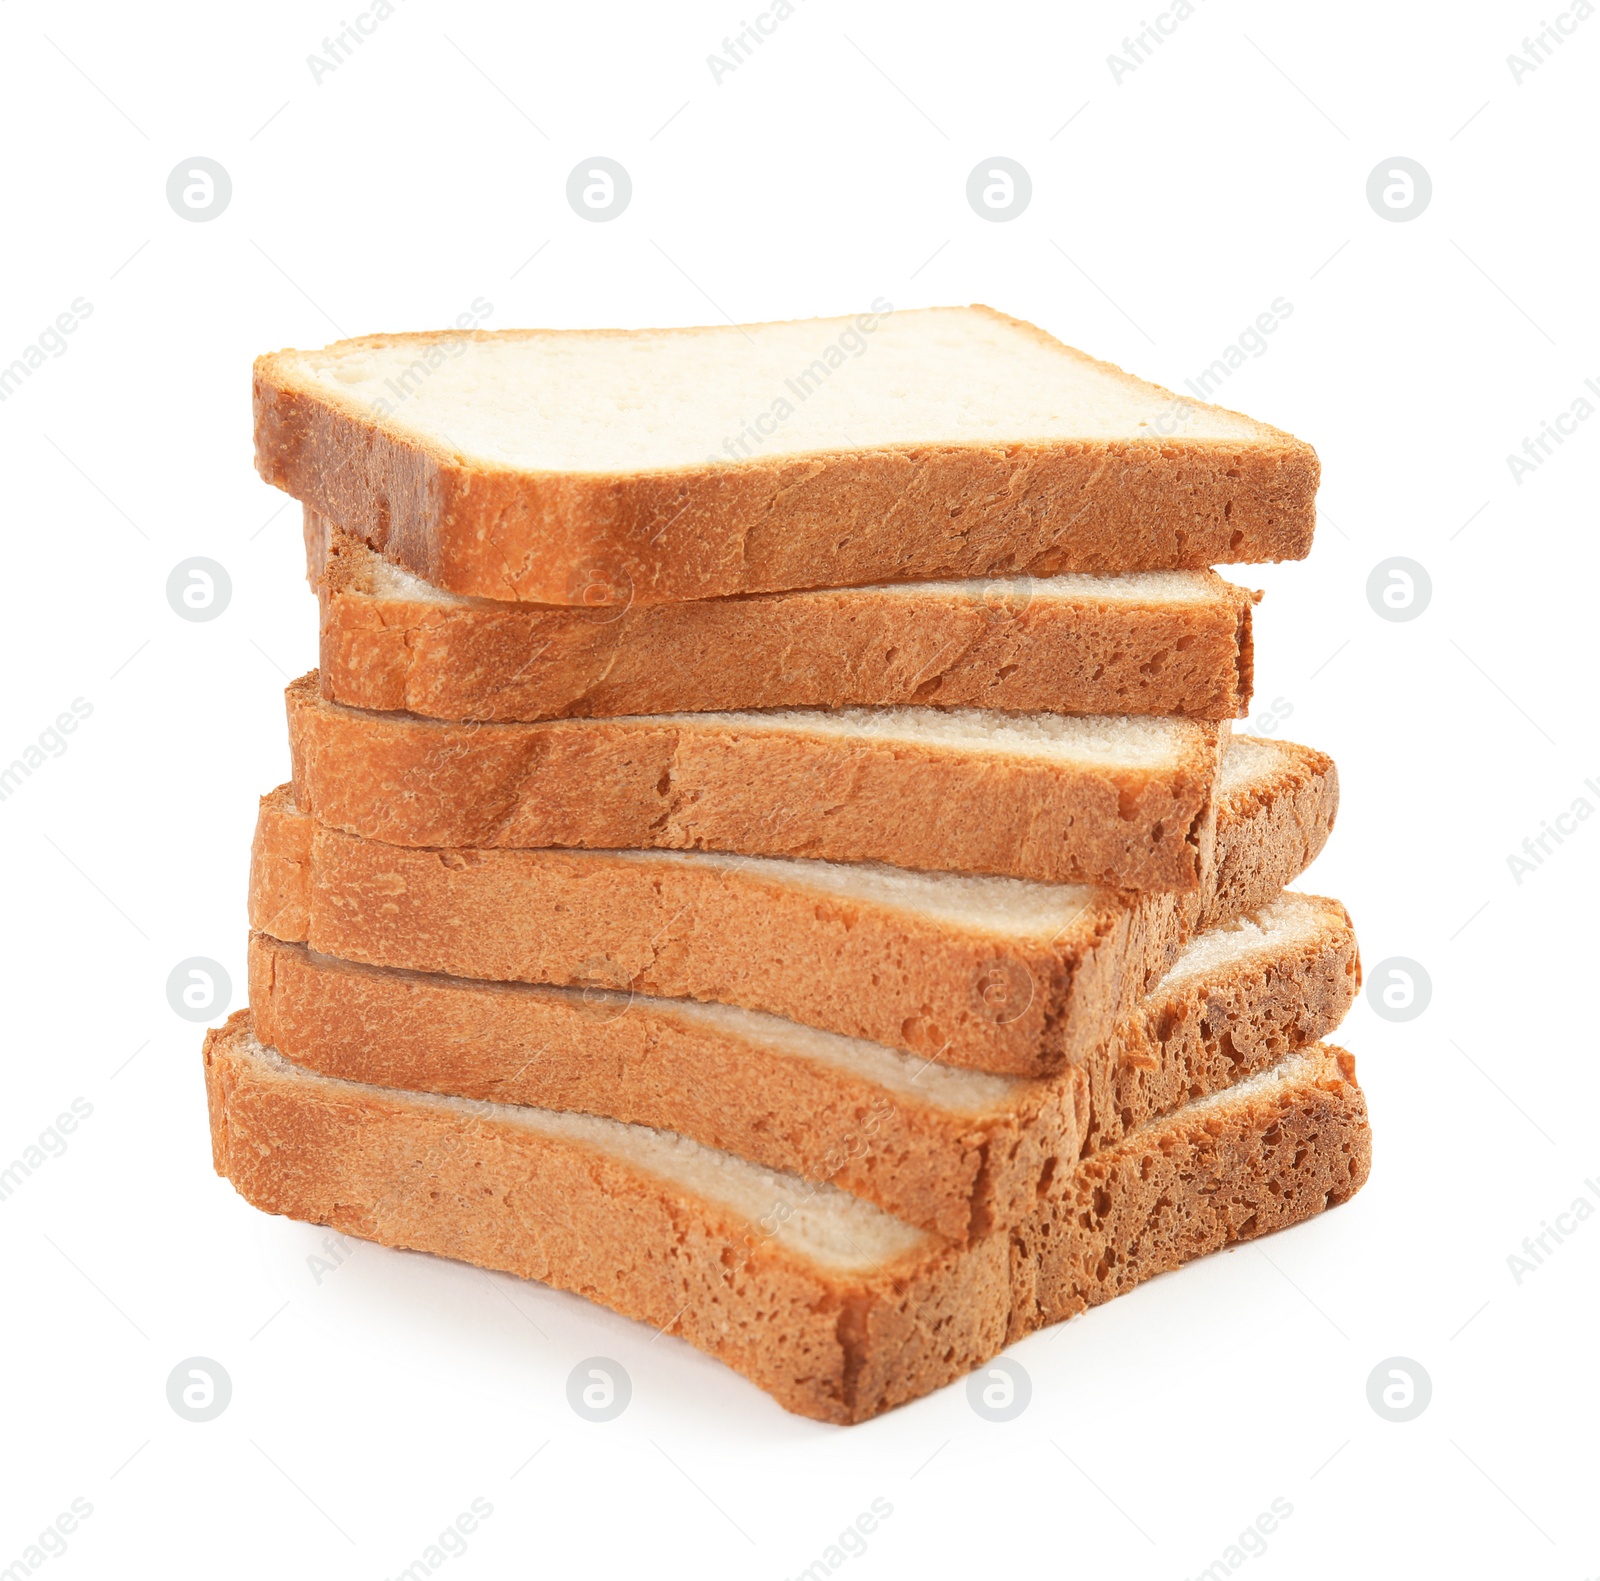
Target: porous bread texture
[612,467]
[1239,998]
[1171,643]
[993,974]
[836,1309]
[1277,1149]
[954,1151]
[949,1150]
[1123,801]
[1282,800]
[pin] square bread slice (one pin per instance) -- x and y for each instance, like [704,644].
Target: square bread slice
[955,1151]
[1124,801]
[997,974]
[609,467]
[837,1309]
[1147,642]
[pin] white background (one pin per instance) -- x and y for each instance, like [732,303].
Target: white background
[371,1408]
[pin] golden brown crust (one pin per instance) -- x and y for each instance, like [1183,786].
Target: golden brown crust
[280,868]
[481,659]
[1277,828]
[705,783]
[840,1347]
[736,934]
[600,1052]
[1180,1188]
[642,1060]
[1198,1034]
[836,519]
[730,932]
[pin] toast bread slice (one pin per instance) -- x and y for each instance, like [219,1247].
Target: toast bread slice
[1124,801]
[611,467]
[994,974]
[953,1151]
[837,1309]
[1154,642]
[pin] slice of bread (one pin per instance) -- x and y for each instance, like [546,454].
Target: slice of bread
[1150,642]
[997,974]
[955,1151]
[611,467]
[837,1309]
[1124,801]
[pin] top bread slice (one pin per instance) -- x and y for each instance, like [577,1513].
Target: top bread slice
[652,466]
[1146,642]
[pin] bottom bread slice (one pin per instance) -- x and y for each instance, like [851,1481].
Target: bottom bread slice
[834,1307]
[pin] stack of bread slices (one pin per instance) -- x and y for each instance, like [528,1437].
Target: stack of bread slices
[767,849]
